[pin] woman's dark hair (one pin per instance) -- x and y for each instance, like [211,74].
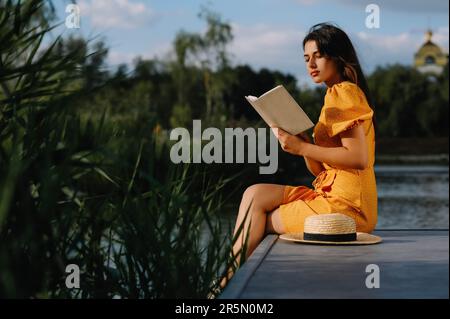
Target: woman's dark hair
[334,43]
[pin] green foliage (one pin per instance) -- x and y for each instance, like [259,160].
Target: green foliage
[94,189]
[408,103]
[181,116]
[207,50]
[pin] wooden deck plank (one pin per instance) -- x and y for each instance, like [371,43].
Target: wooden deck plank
[412,263]
[244,274]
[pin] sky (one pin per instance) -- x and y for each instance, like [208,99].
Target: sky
[267,33]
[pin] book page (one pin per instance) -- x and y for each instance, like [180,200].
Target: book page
[266,116]
[278,108]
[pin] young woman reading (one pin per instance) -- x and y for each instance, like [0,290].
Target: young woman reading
[341,157]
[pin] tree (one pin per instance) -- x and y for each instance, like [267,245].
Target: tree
[207,51]
[408,103]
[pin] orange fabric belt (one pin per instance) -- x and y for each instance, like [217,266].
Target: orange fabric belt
[323,181]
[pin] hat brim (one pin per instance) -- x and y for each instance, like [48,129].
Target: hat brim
[361,239]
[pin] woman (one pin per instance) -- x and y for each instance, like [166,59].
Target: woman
[341,157]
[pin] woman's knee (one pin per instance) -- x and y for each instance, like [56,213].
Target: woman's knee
[264,196]
[252,193]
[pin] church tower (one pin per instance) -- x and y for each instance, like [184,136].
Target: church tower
[430,58]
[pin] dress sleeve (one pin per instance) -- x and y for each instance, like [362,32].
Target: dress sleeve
[345,107]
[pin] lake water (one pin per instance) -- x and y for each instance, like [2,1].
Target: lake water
[409,197]
[412,196]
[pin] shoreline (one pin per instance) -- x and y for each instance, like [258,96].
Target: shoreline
[429,159]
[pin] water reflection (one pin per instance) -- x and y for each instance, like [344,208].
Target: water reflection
[412,196]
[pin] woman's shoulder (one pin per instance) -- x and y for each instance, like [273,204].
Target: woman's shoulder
[345,92]
[344,87]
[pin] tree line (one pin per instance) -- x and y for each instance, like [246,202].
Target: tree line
[198,81]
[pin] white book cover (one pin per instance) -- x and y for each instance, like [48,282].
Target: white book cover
[278,108]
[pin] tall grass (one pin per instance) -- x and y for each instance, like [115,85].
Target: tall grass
[90,193]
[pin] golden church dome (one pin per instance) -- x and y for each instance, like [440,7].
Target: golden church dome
[430,58]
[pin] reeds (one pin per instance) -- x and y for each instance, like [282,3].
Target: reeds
[86,192]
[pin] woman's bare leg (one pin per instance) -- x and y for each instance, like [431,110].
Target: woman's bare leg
[264,198]
[274,225]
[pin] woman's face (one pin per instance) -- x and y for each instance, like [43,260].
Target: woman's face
[320,68]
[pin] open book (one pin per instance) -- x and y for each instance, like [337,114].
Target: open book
[278,108]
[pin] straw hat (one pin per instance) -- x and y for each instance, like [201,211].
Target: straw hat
[331,229]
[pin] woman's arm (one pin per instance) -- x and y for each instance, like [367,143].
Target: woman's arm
[314,166]
[352,154]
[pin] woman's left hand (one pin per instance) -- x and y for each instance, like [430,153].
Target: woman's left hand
[290,143]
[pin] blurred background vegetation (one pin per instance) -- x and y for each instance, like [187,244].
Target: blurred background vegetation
[85,175]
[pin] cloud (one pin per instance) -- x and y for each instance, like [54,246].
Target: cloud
[116,57]
[268,46]
[279,48]
[124,14]
[379,49]
[160,51]
[440,36]
[258,45]
[418,6]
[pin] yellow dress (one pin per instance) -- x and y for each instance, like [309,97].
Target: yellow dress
[348,191]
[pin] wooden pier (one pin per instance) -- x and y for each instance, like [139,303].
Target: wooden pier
[412,264]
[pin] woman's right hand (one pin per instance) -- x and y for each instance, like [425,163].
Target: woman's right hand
[305,137]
